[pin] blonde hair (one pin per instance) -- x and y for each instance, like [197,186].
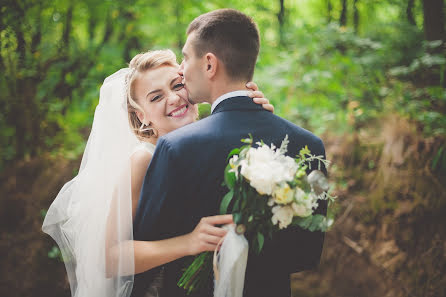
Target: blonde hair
[138,65]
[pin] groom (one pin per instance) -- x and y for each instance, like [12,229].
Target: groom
[184,178]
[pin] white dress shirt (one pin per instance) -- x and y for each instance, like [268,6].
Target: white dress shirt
[226,96]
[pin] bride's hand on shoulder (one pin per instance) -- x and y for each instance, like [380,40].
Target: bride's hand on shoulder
[258,97]
[206,235]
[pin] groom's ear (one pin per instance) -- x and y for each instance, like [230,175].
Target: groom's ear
[211,64]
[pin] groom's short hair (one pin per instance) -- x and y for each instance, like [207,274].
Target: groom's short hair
[230,35]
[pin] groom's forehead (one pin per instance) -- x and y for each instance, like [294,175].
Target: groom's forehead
[188,48]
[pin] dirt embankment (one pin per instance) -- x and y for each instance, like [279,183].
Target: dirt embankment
[389,237]
[388,240]
[26,189]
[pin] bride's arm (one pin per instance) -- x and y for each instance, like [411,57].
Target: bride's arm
[205,237]
[150,254]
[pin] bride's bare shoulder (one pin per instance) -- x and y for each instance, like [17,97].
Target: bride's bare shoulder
[140,161]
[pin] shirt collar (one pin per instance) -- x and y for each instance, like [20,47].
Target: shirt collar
[227,96]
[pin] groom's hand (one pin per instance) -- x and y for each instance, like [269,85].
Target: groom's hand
[207,235]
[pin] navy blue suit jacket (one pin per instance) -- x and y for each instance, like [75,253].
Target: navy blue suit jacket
[183,184]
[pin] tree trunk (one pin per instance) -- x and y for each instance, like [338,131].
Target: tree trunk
[67,27]
[18,116]
[433,25]
[329,10]
[92,22]
[343,18]
[108,31]
[37,35]
[281,19]
[2,27]
[356,15]
[180,37]
[409,12]
[34,113]
[433,20]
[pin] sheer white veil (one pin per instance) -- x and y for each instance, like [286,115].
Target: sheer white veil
[91,217]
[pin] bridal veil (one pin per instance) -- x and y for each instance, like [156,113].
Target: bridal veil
[91,217]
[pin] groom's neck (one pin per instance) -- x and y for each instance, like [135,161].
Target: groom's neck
[226,87]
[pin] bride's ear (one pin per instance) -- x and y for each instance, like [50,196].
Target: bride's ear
[141,116]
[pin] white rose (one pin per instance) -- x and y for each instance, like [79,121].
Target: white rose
[289,167]
[301,210]
[265,169]
[282,215]
[259,178]
[258,170]
[283,194]
[308,200]
[299,195]
[262,154]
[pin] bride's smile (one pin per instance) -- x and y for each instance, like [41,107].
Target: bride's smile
[180,111]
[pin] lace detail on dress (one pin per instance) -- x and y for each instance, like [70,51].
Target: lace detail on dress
[154,289]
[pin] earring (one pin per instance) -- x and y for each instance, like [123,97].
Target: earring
[143,129]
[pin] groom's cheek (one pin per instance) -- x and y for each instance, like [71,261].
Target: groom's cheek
[191,101]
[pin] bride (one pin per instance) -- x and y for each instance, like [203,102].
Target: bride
[91,217]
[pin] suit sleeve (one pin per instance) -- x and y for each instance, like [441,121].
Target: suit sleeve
[160,197]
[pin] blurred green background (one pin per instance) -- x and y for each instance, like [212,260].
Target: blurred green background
[367,76]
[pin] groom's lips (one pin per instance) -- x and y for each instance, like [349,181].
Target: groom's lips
[175,113]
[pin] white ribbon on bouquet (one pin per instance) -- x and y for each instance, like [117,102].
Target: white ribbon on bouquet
[230,264]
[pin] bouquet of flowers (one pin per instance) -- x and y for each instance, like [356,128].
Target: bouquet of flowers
[268,191]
